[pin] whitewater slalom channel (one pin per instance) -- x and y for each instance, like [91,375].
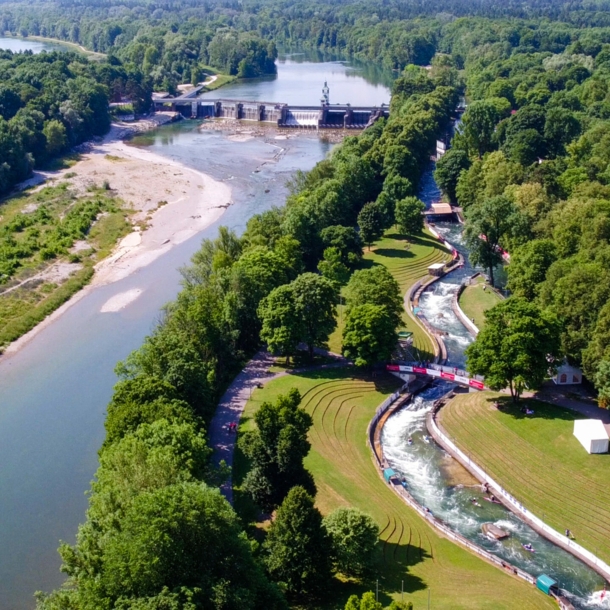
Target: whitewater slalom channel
[439,483]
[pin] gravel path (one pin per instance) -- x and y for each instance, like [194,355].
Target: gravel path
[233,401]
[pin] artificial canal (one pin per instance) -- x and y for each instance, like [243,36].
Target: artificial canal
[439,483]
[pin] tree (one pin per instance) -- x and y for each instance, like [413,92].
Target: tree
[315,299]
[602,383]
[448,170]
[277,449]
[333,268]
[517,346]
[367,602]
[479,123]
[369,335]
[488,223]
[297,546]
[182,536]
[55,133]
[375,286]
[347,240]
[303,310]
[354,537]
[409,216]
[528,266]
[370,221]
[281,325]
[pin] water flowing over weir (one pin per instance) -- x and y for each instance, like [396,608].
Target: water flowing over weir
[439,483]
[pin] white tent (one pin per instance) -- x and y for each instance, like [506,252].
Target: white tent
[592,435]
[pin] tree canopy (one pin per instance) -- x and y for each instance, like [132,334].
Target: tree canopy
[517,347]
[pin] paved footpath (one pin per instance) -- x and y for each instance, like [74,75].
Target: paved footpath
[555,395]
[233,401]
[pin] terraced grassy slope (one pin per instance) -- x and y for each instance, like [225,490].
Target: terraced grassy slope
[342,404]
[539,461]
[407,262]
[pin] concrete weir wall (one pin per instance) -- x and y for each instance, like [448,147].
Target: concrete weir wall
[282,115]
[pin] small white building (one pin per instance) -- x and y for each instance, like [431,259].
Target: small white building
[592,435]
[567,375]
[436,269]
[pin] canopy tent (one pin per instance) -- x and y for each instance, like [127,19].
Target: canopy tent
[592,435]
[567,375]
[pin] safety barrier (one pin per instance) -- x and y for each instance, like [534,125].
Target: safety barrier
[424,512]
[512,503]
[440,372]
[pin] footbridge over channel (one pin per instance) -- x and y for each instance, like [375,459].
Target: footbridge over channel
[437,371]
[325,116]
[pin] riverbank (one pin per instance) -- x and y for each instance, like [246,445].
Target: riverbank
[166,203]
[72,45]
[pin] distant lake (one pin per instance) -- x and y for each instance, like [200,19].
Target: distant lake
[27,44]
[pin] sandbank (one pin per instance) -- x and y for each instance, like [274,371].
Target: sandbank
[171,203]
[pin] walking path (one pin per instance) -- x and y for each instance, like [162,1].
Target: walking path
[233,401]
[556,396]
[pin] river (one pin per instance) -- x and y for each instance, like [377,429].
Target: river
[53,392]
[438,482]
[27,44]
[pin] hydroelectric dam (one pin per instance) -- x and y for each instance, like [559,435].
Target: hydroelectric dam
[324,116]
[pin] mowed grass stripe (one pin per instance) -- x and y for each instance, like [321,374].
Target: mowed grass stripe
[342,404]
[572,505]
[406,266]
[512,439]
[537,459]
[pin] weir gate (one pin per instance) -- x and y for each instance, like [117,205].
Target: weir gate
[325,116]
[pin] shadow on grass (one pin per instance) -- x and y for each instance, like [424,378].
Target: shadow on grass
[394,253]
[540,410]
[391,572]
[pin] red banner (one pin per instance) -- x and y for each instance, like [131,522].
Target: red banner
[417,369]
[477,384]
[449,376]
[392,367]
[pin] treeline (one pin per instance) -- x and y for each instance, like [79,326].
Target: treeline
[158,533]
[51,102]
[531,168]
[166,46]
[173,42]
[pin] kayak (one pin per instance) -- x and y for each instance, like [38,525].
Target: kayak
[492,500]
[530,549]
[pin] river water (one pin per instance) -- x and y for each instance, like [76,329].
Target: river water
[24,44]
[436,480]
[54,391]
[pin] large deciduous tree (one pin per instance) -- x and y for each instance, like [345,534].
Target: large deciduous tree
[302,311]
[298,547]
[375,286]
[354,536]
[448,170]
[370,221]
[409,216]
[516,348]
[488,223]
[276,449]
[369,335]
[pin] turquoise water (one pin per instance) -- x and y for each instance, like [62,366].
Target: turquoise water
[424,464]
[54,391]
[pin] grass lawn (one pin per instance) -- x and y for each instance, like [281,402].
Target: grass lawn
[539,461]
[475,301]
[342,403]
[407,266]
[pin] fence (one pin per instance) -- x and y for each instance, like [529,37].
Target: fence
[535,522]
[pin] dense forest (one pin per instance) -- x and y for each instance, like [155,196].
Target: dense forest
[529,165]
